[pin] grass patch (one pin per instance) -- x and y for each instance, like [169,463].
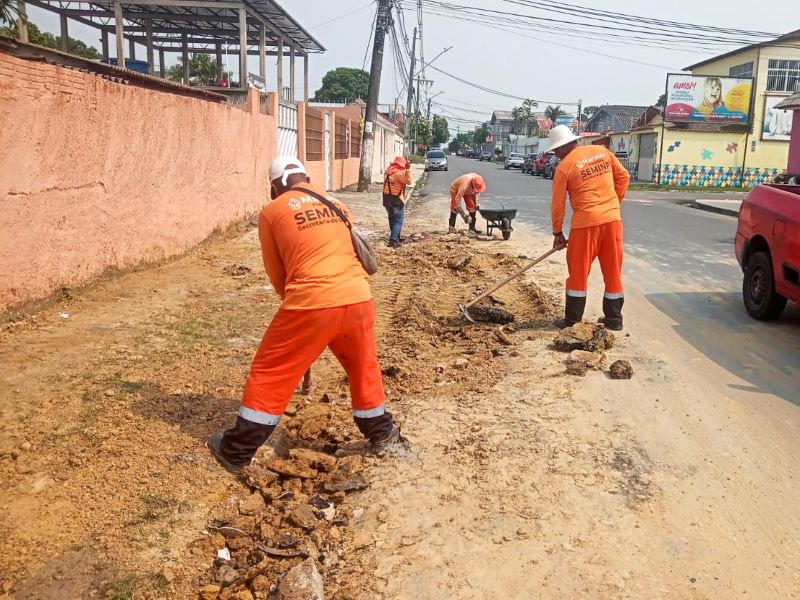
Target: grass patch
[124,588]
[156,507]
[127,386]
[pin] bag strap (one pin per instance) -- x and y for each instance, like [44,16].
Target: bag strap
[327,203]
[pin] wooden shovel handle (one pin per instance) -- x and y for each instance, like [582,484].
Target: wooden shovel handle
[514,275]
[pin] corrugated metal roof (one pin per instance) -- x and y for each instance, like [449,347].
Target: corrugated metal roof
[790,103]
[786,37]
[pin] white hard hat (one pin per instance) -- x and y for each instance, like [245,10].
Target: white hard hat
[283,166]
[561,135]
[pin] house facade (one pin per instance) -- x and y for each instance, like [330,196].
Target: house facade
[615,118]
[724,156]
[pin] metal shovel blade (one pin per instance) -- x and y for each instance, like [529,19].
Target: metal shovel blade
[466,314]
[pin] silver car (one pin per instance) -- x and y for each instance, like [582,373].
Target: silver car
[515,160]
[435,160]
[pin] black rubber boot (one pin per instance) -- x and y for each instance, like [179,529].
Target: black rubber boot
[235,448]
[612,309]
[573,312]
[380,431]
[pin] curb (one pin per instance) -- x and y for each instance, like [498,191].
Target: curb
[715,209]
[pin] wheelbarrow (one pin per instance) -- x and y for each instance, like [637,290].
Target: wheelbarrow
[499,219]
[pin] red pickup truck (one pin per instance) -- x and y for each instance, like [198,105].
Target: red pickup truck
[768,249]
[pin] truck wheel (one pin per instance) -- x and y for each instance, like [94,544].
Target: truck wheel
[758,289]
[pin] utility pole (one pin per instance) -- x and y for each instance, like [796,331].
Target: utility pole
[410,94]
[579,117]
[383,21]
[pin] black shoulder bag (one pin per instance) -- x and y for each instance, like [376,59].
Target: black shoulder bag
[364,252]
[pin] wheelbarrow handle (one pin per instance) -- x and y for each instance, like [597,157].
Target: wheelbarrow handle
[514,275]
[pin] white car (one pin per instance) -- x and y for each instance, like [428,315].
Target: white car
[515,160]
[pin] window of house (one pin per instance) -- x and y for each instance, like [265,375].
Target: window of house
[744,70]
[783,75]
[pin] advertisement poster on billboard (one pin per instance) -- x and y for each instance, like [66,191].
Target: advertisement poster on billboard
[696,99]
[777,122]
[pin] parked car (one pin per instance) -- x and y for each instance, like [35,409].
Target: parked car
[514,160]
[541,161]
[768,249]
[550,166]
[485,155]
[527,166]
[435,160]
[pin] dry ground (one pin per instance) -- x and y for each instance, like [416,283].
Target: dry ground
[521,481]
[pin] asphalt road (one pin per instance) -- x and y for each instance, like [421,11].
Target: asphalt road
[681,260]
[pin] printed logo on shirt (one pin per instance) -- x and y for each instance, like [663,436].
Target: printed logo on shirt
[592,166]
[313,216]
[294,204]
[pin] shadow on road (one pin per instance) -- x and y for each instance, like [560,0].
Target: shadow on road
[766,355]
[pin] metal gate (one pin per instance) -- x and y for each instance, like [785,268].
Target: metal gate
[328,157]
[287,128]
[647,153]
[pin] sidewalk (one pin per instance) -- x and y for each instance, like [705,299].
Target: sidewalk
[722,206]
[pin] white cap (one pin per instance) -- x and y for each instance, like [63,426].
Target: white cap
[283,166]
[561,135]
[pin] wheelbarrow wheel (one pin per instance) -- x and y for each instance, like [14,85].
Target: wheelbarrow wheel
[505,227]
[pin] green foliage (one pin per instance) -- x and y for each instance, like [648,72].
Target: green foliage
[552,112]
[202,70]
[479,137]
[8,11]
[440,130]
[48,40]
[462,140]
[343,84]
[588,112]
[662,101]
[421,131]
[523,117]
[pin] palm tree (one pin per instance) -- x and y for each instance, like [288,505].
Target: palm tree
[8,11]
[528,105]
[553,112]
[518,114]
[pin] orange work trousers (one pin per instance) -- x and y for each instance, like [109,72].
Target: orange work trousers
[294,340]
[586,244]
[469,200]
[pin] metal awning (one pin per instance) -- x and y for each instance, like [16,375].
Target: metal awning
[205,23]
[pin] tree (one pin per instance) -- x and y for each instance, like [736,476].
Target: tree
[343,84]
[479,137]
[440,131]
[421,130]
[518,114]
[662,101]
[530,119]
[202,70]
[553,112]
[48,40]
[462,140]
[8,11]
[588,111]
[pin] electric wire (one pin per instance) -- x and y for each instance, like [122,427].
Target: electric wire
[359,9]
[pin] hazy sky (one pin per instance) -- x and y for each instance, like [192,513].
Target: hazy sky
[525,63]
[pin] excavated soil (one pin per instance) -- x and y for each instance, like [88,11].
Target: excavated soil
[110,392]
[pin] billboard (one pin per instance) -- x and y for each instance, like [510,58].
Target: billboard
[777,123]
[565,120]
[697,99]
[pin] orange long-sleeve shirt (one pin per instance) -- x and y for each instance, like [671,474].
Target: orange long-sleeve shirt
[308,253]
[596,182]
[462,186]
[395,183]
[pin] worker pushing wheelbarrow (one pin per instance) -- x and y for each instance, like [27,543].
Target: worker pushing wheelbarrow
[464,194]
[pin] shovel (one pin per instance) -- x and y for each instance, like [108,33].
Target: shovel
[465,307]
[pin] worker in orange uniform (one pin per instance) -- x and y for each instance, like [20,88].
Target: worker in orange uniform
[467,188]
[327,303]
[395,180]
[596,182]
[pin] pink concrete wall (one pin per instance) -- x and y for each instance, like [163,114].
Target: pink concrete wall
[794,145]
[95,174]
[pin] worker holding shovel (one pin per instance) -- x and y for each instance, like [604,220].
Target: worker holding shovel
[596,182]
[465,190]
[310,259]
